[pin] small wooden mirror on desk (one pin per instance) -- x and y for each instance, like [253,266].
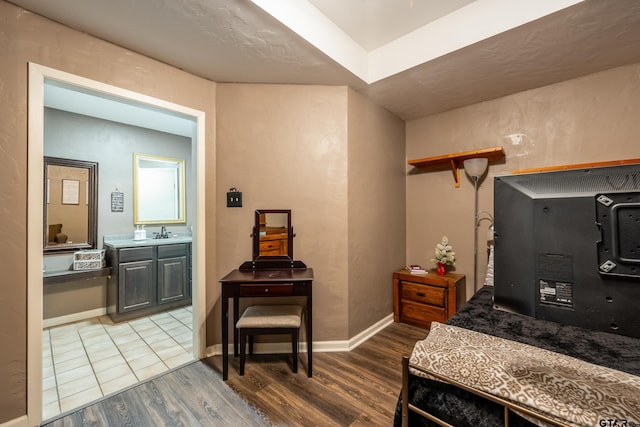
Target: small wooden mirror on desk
[272,241]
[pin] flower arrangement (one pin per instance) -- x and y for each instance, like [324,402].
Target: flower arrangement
[444,256]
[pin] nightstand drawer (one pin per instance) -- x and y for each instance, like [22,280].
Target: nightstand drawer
[422,314]
[423,293]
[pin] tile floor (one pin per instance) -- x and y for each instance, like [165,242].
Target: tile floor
[87,360]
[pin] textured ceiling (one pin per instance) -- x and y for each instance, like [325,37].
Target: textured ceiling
[237,41]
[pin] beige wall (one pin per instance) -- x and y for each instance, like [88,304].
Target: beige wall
[29,38]
[376,210]
[285,147]
[337,161]
[594,118]
[64,299]
[313,149]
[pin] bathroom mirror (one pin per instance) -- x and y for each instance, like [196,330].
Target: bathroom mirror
[272,235]
[70,205]
[158,190]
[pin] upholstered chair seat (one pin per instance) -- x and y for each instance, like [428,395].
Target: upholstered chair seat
[269,320]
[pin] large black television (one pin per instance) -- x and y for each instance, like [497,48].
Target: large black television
[567,247]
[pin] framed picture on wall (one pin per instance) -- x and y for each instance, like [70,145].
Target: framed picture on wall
[117,201]
[70,192]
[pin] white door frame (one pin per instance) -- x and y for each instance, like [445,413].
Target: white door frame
[37,76]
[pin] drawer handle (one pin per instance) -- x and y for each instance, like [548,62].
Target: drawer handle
[266,290]
[420,294]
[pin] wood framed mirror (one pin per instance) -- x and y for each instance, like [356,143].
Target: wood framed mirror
[70,205]
[272,235]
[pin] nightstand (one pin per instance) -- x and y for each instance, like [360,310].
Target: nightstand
[419,299]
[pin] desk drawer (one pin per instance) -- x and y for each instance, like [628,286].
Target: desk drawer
[270,246]
[261,290]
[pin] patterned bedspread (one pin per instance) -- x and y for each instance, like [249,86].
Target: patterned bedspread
[559,386]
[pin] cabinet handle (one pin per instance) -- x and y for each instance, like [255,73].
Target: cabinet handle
[266,290]
[420,294]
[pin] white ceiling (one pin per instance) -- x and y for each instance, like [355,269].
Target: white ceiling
[90,102]
[412,57]
[374,23]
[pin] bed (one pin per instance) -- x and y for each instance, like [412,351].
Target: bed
[609,363]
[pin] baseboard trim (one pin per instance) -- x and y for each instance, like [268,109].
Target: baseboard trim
[318,346]
[370,331]
[22,421]
[75,317]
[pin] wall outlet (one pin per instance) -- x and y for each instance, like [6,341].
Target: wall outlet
[516,138]
[234,199]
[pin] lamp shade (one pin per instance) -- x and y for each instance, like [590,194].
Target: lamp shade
[476,166]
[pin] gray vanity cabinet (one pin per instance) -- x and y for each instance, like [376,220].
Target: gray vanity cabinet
[148,279]
[136,278]
[172,273]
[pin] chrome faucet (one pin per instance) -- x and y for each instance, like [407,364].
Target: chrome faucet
[163,233]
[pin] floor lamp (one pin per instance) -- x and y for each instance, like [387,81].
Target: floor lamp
[475,168]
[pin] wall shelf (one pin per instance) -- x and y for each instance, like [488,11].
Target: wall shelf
[455,161]
[578,166]
[61,276]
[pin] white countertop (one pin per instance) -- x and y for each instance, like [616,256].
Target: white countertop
[126,241]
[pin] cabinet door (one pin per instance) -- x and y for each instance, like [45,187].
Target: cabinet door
[172,279]
[136,285]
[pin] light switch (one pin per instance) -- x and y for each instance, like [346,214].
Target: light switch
[234,198]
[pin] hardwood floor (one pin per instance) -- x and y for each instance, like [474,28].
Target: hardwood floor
[355,388]
[193,395]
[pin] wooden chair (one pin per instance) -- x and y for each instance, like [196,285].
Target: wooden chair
[269,320]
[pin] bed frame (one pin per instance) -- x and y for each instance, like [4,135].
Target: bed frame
[422,397]
[507,405]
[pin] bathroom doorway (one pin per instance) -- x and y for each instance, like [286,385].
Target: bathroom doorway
[151,110]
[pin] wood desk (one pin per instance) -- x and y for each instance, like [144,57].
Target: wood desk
[263,283]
